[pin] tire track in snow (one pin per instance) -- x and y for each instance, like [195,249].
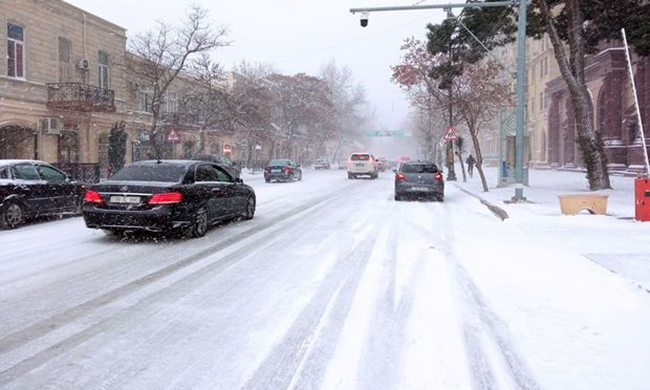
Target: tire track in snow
[475,306]
[41,328]
[385,339]
[299,359]
[210,271]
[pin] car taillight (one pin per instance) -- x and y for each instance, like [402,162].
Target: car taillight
[166,198]
[438,176]
[287,170]
[400,177]
[267,170]
[93,197]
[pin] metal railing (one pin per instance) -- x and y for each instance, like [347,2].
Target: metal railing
[80,97]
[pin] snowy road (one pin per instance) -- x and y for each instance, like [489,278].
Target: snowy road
[333,285]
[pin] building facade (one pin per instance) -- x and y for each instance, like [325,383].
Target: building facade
[65,82]
[615,117]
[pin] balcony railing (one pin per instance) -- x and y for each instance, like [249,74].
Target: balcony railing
[80,97]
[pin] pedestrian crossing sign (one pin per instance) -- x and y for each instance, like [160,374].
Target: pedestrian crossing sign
[450,135]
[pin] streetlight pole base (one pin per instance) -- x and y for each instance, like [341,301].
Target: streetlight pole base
[518,198]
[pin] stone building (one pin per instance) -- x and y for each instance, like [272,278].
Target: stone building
[65,82]
[615,116]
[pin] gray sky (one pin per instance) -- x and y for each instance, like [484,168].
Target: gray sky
[297,36]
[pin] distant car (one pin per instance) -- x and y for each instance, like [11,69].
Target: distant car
[30,188]
[282,170]
[343,164]
[419,179]
[321,164]
[185,196]
[362,164]
[222,161]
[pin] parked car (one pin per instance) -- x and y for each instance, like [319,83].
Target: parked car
[419,179]
[282,170]
[321,164]
[30,188]
[362,164]
[222,161]
[343,164]
[187,196]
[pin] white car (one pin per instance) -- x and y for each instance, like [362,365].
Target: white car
[363,164]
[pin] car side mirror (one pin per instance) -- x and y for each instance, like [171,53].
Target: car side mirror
[394,170]
[239,180]
[299,166]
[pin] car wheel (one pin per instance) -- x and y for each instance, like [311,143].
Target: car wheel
[441,198]
[398,197]
[249,213]
[12,216]
[267,180]
[351,176]
[300,177]
[200,225]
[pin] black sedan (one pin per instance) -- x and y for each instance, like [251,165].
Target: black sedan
[170,195]
[221,161]
[282,170]
[419,179]
[30,188]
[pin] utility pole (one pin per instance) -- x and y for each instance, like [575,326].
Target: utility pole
[451,175]
[521,69]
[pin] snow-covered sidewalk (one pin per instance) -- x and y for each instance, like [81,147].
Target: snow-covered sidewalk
[615,241]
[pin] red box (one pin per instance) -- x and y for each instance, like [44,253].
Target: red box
[642,199]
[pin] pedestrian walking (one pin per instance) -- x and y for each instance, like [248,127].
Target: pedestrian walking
[470,165]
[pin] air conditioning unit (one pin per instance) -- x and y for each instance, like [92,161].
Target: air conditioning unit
[50,125]
[83,64]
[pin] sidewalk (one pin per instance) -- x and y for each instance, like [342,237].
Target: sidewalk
[614,241]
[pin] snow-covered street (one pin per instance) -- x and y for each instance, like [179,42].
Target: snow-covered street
[333,285]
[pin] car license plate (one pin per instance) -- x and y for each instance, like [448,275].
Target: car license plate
[276,170]
[125,199]
[359,165]
[420,189]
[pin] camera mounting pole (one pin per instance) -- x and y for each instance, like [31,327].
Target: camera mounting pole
[521,71]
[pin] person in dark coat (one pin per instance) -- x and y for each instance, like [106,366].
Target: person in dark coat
[470,165]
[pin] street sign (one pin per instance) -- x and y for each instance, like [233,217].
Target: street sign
[451,134]
[173,137]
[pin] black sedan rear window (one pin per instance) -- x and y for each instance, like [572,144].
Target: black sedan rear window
[419,168]
[163,173]
[276,163]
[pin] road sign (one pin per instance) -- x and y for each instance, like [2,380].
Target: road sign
[450,135]
[173,137]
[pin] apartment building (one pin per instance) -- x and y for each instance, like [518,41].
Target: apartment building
[66,81]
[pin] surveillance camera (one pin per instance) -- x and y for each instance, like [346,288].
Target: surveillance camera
[364,19]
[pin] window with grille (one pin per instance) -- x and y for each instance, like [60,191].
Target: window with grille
[103,70]
[15,51]
[145,101]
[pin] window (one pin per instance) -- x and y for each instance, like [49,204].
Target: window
[206,173]
[223,176]
[546,66]
[65,60]
[170,103]
[25,172]
[419,168]
[15,51]
[50,174]
[145,101]
[541,101]
[103,70]
[4,173]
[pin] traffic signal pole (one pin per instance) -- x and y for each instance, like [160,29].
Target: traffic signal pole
[521,70]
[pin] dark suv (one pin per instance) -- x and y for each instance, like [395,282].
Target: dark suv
[30,188]
[221,161]
[419,179]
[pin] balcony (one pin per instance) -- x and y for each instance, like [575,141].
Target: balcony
[80,97]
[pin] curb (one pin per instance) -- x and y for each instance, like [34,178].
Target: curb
[496,210]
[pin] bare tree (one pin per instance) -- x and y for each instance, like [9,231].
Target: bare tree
[477,95]
[161,55]
[349,100]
